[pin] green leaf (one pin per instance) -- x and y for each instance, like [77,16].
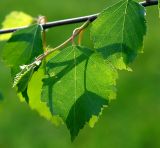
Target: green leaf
[78,85]
[15,19]
[22,49]
[23,75]
[34,95]
[118,32]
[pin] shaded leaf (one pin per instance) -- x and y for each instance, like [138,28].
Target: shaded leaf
[78,85]
[87,105]
[118,32]
[22,49]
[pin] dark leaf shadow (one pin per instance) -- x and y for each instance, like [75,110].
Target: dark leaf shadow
[128,54]
[86,106]
[50,81]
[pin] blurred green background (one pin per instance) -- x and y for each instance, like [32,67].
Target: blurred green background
[131,121]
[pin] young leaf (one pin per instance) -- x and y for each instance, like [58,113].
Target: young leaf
[26,72]
[78,85]
[118,32]
[21,49]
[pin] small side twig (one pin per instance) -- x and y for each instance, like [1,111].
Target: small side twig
[76,32]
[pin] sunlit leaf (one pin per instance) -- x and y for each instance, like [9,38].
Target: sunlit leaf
[78,85]
[34,94]
[15,19]
[118,32]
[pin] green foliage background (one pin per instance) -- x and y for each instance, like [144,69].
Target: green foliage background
[132,121]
